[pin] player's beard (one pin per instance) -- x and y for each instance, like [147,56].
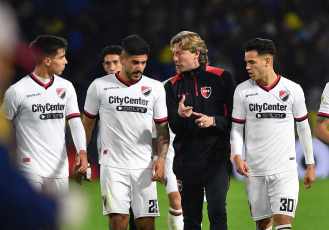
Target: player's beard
[130,75]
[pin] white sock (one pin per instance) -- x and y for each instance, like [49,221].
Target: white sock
[283,227]
[270,228]
[175,219]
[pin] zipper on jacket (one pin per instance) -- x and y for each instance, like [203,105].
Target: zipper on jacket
[196,85]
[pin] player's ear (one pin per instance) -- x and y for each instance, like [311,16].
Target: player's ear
[46,61]
[122,59]
[267,61]
[197,54]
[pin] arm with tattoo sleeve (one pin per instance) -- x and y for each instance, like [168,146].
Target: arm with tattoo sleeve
[320,129]
[162,144]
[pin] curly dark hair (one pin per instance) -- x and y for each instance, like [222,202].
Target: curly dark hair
[262,46]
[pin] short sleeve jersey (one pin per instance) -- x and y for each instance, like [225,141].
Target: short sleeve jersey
[126,111]
[39,112]
[268,113]
[324,106]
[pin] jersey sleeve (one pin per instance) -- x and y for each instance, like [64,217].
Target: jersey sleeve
[11,103]
[324,106]
[160,106]
[299,106]
[92,102]
[72,104]
[239,109]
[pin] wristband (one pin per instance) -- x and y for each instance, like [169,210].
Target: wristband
[155,158]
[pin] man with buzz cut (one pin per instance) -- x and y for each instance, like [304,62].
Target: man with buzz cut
[39,105]
[126,103]
[265,110]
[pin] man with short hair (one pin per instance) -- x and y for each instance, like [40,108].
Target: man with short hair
[39,105]
[266,106]
[111,62]
[127,102]
[199,101]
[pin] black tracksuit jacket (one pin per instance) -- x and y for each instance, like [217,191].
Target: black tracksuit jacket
[208,90]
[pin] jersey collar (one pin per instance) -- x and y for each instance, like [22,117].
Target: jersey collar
[268,88]
[46,86]
[125,82]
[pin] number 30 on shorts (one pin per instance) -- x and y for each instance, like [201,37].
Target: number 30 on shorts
[287,205]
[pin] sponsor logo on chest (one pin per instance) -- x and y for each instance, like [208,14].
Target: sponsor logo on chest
[129,104]
[51,108]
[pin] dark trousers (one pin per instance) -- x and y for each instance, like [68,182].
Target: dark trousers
[214,177]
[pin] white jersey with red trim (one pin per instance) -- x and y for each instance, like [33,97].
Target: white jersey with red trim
[39,112]
[126,112]
[324,106]
[269,114]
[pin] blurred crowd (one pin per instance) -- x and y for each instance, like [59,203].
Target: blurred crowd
[299,28]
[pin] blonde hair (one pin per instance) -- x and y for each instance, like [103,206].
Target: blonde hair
[191,41]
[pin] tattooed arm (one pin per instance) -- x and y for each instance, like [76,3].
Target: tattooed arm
[320,129]
[160,148]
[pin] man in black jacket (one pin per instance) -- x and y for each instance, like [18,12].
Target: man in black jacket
[199,102]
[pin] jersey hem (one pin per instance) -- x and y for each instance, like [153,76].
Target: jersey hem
[272,173]
[44,175]
[127,167]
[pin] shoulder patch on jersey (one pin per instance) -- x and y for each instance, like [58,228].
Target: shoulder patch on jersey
[206,91]
[146,90]
[61,93]
[284,95]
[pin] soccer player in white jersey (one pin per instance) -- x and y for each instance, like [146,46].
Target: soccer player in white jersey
[126,103]
[266,106]
[39,105]
[322,121]
[111,65]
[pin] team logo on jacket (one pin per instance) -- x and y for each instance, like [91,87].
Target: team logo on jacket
[146,90]
[284,95]
[61,93]
[206,91]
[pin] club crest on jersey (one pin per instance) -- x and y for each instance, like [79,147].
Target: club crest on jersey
[146,90]
[206,91]
[61,93]
[284,95]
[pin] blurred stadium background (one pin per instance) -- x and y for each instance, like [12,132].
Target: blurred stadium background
[299,29]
